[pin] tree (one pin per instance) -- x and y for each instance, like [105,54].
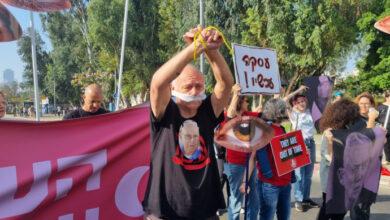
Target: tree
[11,90]
[69,55]
[309,36]
[141,57]
[24,51]
[375,67]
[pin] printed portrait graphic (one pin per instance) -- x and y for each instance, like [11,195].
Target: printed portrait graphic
[191,151]
[354,172]
[318,94]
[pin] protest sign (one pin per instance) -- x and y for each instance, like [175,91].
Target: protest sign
[244,134]
[289,152]
[355,170]
[256,69]
[318,95]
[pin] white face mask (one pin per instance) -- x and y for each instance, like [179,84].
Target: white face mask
[189,98]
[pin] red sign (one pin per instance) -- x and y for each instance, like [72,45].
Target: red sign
[289,151]
[90,168]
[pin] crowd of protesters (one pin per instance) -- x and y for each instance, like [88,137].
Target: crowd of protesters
[183,120]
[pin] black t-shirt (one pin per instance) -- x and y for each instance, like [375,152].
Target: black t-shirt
[181,187]
[80,113]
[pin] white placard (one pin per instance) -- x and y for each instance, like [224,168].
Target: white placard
[256,69]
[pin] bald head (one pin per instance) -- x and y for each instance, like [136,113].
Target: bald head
[93,89]
[190,72]
[93,96]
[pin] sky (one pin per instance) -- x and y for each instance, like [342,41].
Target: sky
[9,58]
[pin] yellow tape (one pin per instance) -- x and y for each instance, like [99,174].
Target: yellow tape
[198,38]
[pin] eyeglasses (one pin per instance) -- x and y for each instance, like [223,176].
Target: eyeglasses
[246,100]
[188,137]
[301,102]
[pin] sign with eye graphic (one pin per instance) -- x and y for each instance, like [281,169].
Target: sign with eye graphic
[289,152]
[256,69]
[244,134]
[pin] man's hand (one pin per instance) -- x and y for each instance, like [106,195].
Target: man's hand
[189,36]
[210,37]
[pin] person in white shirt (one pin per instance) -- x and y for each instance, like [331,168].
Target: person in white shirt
[301,119]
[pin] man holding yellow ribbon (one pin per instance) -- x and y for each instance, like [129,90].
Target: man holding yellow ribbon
[183,186]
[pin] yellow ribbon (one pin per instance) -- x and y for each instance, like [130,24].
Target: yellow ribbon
[198,38]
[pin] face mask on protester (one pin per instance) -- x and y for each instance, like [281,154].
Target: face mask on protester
[189,98]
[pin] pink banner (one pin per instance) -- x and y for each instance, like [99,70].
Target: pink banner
[90,168]
[39,5]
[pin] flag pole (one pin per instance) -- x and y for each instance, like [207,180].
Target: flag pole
[201,17]
[122,56]
[34,61]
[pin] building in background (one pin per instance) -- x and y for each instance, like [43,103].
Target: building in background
[8,76]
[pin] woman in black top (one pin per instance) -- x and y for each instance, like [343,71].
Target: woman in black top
[368,117]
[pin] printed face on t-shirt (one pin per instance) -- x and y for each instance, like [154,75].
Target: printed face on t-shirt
[191,150]
[189,135]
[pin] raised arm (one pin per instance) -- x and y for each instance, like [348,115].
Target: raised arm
[159,87]
[290,96]
[232,110]
[222,74]
[224,81]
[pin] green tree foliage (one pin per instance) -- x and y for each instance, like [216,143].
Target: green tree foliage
[24,51]
[10,90]
[141,57]
[309,36]
[102,78]
[374,69]
[70,54]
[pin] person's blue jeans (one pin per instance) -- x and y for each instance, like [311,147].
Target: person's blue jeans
[304,174]
[235,175]
[273,199]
